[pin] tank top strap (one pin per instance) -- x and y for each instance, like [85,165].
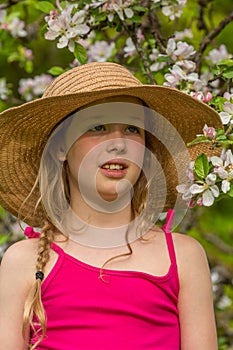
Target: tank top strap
[31,233]
[167,228]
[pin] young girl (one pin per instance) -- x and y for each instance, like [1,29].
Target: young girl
[92,164]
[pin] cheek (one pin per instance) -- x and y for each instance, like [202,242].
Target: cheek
[136,153]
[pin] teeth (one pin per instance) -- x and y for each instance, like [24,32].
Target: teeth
[113,166]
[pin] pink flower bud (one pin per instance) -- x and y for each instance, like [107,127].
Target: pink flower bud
[209,131]
[208,96]
[200,201]
[4,26]
[192,203]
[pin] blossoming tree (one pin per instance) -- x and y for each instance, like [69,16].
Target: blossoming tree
[183,44]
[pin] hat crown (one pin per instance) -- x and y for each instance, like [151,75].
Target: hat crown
[94,76]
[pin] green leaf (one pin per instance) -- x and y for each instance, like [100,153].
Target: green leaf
[221,138]
[2,211]
[228,75]
[201,166]
[3,239]
[220,132]
[45,6]
[198,140]
[225,63]
[56,70]
[80,53]
[140,9]
[136,18]
[230,192]
[28,66]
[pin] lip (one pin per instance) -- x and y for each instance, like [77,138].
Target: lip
[112,172]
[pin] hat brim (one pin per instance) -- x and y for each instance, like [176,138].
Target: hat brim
[25,130]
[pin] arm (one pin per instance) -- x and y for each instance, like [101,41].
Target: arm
[197,321]
[16,277]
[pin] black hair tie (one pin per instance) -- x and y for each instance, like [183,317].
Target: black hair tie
[40,275]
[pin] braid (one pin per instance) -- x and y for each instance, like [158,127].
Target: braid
[33,305]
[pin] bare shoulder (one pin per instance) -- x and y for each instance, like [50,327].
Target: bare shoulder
[19,260]
[190,256]
[187,247]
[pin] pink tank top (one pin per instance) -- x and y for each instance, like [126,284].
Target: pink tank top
[129,311]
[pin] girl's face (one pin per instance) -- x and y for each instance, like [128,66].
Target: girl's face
[105,161]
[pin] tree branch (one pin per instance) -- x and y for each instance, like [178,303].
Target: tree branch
[207,39]
[201,25]
[217,242]
[155,30]
[143,59]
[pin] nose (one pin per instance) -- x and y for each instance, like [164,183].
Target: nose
[116,142]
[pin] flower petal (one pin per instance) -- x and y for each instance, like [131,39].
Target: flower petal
[194,189]
[208,198]
[225,117]
[211,179]
[225,186]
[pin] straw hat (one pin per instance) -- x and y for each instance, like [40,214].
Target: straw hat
[24,129]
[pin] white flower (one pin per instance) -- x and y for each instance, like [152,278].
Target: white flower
[16,28]
[179,53]
[129,49]
[187,33]
[209,190]
[119,7]
[171,46]
[173,11]
[31,88]
[228,96]
[69,28]
[224,169]
[217,55]
[184,189]
[156,66]
[183,50]
[100,51]
[227,114]
[177,75]
[3,89]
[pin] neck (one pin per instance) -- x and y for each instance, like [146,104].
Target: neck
[108,216]
[91,227]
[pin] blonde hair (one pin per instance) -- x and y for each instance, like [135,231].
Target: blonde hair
[53,181]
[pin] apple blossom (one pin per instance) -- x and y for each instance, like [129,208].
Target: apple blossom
[129,48]
[178,75]
[67,27]
[187,33]
[201,96]
[16,28]
[228,96]
[3,89]
[156,66]
[173,10]
[31,88]
[208,189]
[217,55]
[100,51]
[119,7]
[223,167]
[227,114]
[209,131]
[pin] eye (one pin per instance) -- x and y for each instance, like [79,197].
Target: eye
[98,128]
[132,129]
